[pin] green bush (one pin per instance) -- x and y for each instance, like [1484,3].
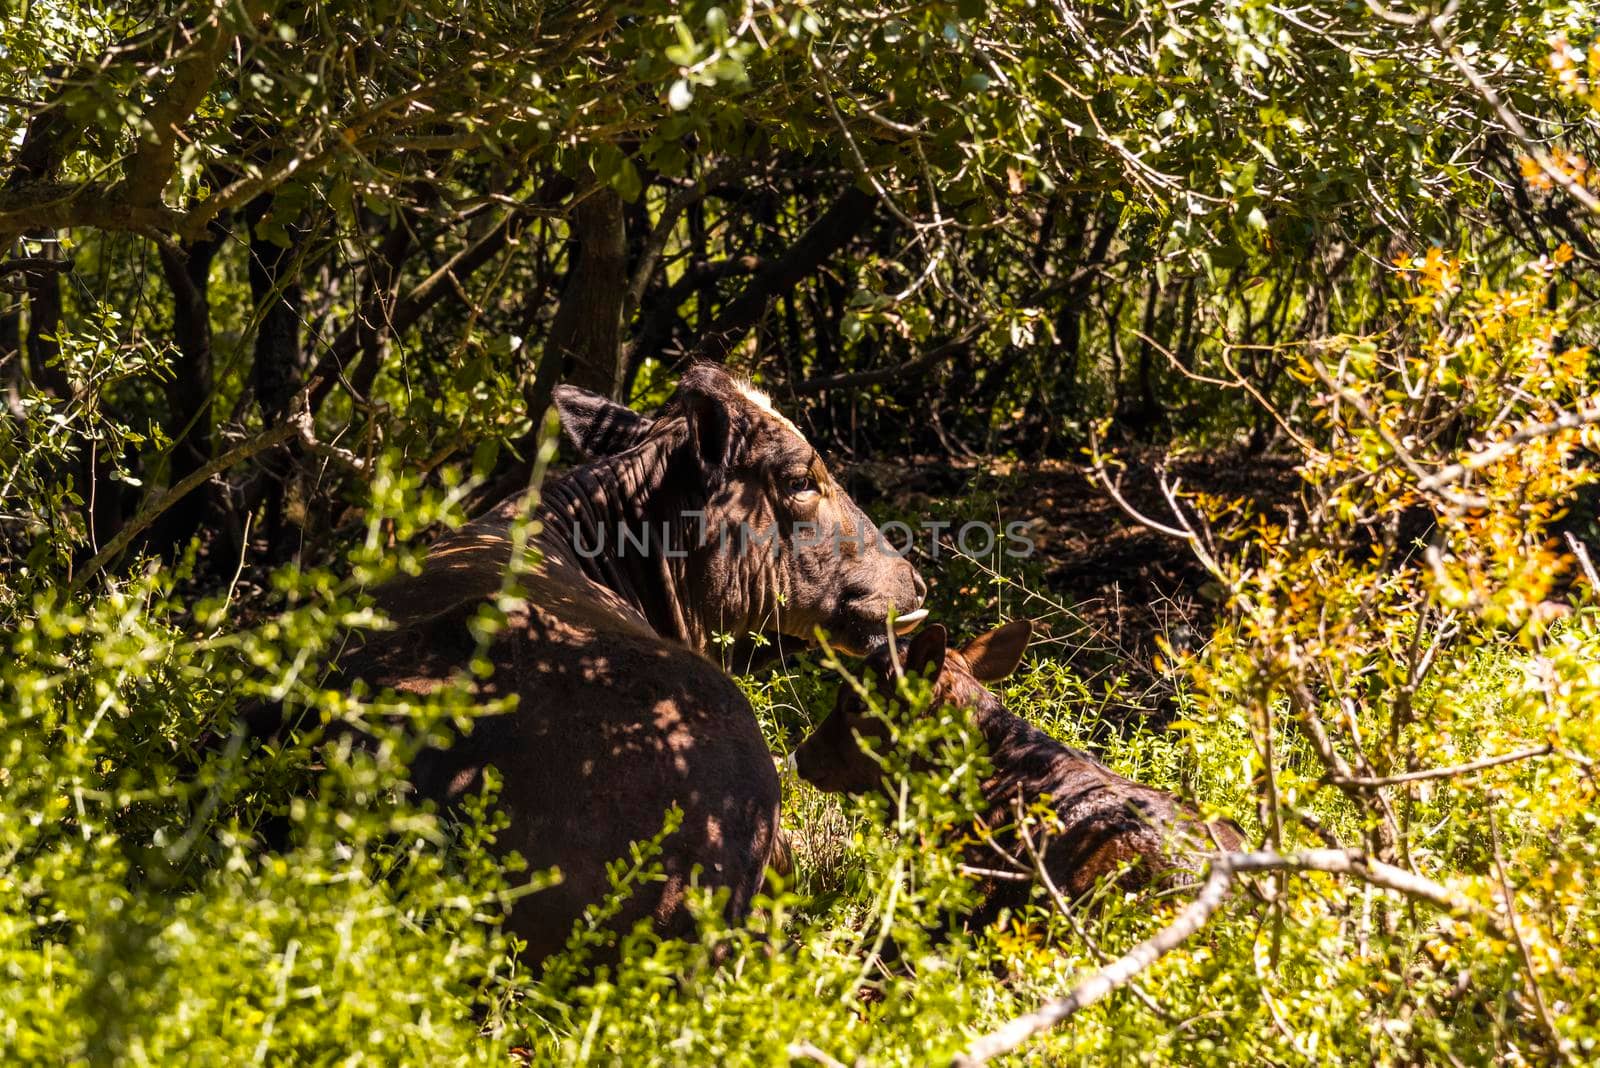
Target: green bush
[172,889]
[142,917]
[317,267]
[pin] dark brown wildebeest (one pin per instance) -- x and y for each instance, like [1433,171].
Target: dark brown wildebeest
[716,518]
[1108,825]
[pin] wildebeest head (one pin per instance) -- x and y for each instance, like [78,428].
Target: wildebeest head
[843,753]
[754,535]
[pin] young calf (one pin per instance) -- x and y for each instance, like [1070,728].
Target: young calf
[1108,824]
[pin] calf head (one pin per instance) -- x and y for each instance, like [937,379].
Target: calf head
[844,753]
[764,539]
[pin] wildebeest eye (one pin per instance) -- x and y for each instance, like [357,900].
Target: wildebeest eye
[801,486]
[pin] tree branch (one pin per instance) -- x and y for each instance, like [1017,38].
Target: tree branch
[190,388]
[1118,973]
[655,243]
[50,205]
[411,307]
[1225,868]
[1446,773]
[843,219]
[35,265]
[949,350]
[295,425]
[153,160]
[1506,446]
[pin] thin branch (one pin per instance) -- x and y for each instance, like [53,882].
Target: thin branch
[410,308]
[1510,899]
[655,243]
[1225,868]
[830,232]
[994,873]
[805,1051]
[1500,449]
[949,350]
[1041,871]
[1513,125]
[35,265]
[1426,482]
[1118,973]
[245,450]
[1581,551]
[1447,773]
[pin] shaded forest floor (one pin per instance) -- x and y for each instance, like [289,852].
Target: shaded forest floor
[1105,590]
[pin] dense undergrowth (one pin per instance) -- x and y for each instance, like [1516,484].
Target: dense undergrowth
[284,290]
[1357,659]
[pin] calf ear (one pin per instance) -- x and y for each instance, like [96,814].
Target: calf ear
[706,406]
[995,655]
[925,652]
[596,426]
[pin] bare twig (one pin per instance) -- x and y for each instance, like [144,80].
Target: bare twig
[1115,490]
[1532,980]
[1064,908]
[1225,868]
[805,1051]
[956,346]
[1581,551]
[1446,773]
[994,873]
[1118,973]
[1500,449]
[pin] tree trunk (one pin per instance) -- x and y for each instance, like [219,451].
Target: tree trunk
[11,348]
[275,291]
[585,342]
[189,390]
[44,320]
[278,362]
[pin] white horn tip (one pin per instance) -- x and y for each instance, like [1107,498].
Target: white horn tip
[907,623]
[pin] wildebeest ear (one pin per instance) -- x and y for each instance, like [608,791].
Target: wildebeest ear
[597,426]
[706,405]
[995,655]
[925,652]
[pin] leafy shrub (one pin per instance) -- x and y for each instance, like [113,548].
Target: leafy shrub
[142,916]
[1391,680]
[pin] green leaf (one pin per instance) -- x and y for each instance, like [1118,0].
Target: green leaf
[626,181]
